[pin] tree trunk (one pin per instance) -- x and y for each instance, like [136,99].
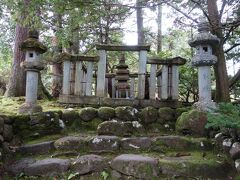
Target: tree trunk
[222,87]
[159,23]
[140,30]
[16,84]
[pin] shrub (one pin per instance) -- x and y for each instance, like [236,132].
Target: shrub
[226,115]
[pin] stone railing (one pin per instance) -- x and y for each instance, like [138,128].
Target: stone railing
[85,83]
[167,78]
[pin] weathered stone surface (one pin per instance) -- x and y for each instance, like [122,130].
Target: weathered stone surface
[115,127]
[165,115]
[1,140]
[1,125]
[227,144]
[88,164]
[237,165]
[7,132]
[188,166]
[136,143]
[136,165]
[181,110]
[69,116]
[138,127]
[71,143]
[104,144]
[47,167]
[18,167]
[106,113]
[126,113]
[148,115]
[235,151]
[164,143]
[40,148]
[8,120]
[192,122]
[45,123]
[88,113]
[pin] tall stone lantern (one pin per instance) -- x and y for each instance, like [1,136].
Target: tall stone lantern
[33,66]
[203,60]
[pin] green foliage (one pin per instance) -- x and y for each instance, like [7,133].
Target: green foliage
[104,175]
[226,115]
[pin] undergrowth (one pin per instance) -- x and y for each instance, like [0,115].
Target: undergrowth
[226,115]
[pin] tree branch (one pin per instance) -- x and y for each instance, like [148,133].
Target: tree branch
[179,10]
[233,46]
[222,8]
[234,79]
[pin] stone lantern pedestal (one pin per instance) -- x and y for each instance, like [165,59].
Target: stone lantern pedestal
[32,65]
[203,60]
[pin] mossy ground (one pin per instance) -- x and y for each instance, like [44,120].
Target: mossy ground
[10,106]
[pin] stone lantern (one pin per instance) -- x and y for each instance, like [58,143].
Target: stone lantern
[32,64]
[203,60]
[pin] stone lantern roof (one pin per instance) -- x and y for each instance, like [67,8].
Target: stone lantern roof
[32,43]
[204,36]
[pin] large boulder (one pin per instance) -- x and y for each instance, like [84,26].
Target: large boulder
[165,115]
[88,164]
[7,132]
[235,151]
[39,148]
[126,113]
[148,115]
[138,166]
[88,113]
[71,143]
[192,122]
[69,116]
[45,123]
[1,124]
[48,167]
[104,144]
[106,113]
[136,143]
[114,127]
[18,166]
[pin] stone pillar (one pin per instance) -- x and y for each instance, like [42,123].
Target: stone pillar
[159,85]
[32,65]
[113,87]
[204,83]
[78,79]
[203,59]
[66,77]
[132,88]
[101,72]
[89,78]
[152,87]
[164,87]
[142,73]
[175,82]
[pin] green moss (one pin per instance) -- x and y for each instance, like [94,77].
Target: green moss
[88,113]
[43,139]
[106,113]
[148,115]
[192,122]
[181,110]
[165,115]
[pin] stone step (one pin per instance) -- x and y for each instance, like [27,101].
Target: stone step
[124,166]
[102,143]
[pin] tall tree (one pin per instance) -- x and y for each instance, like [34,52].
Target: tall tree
[140,28]
[222,86]
[16,84]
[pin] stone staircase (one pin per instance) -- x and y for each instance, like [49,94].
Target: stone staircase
[88,156]
[111,144]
